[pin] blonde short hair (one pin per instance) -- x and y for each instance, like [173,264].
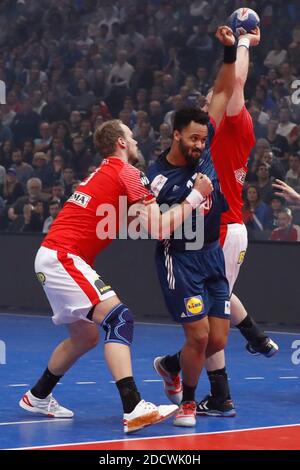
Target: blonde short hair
[106,136]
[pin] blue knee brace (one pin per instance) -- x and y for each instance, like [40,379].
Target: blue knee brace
[118,325]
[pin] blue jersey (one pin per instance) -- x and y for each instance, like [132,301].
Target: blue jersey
[171,184]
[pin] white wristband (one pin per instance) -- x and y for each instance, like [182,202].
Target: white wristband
[195,198]
[244,42]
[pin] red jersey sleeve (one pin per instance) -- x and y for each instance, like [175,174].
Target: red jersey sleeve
[136,183]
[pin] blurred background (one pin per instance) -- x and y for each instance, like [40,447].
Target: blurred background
[69,65]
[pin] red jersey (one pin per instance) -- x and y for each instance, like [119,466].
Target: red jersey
[78,226]
[230,151]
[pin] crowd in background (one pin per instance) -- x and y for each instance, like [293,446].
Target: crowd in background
[70,65]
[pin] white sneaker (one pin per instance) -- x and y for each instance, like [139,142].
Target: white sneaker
[172,383]
[45,406]
[145,414]
[186,416]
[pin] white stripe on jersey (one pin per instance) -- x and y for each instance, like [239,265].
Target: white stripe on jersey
[169,265]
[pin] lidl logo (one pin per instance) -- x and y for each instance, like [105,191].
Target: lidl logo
[194,305]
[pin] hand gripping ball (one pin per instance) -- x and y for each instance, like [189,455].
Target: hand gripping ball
[243,21]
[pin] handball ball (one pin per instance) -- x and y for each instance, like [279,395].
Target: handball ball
[243,21]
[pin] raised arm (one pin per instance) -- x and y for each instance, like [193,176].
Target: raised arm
[237,99]
[224,83]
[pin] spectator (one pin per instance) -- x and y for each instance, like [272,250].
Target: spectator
[156,115]
[277,205]
[85,97]
[292,177]
[256,213]
[275,56]
[146,143]
[286,231]
[274,164]
[24,171]
[264,182]
[6,150]
[57,168]
[5,132]
[279,144]
[25,124]
[12,187]
[118,81]
[286,127]
[54,208]
[80,158]
[68,180]
[29,220]
[55,109]
[43,142]
[28,147]
[33,196]
[42,169]
[58,193]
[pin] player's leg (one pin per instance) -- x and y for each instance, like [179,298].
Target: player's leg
[181,280]
[72,288]
[117,321]
[83,337]
[218,402]
[84,302]
[233,238]
[192,358]
[234,249]
[258,342]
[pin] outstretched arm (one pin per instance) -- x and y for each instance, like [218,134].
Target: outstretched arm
[224,83]
[237,99]
[284,190]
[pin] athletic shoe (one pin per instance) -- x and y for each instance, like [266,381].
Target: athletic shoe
[145,414]
[172,383]
[46,406]
[267,348]
[186,415]
[209,407]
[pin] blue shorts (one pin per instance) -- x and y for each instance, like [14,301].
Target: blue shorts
[193,282]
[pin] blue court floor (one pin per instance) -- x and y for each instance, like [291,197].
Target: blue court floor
[266,391]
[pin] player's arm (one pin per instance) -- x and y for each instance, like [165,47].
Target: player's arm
[224,83]
[284,190]
[162,225]
[237,99]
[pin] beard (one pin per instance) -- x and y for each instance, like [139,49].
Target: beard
[191,157]
[133,157]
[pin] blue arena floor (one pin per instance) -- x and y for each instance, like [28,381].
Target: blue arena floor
[266,391]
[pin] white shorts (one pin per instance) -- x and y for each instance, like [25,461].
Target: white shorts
[234,242]
[71,285]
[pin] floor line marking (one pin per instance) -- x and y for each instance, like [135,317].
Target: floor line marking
[50,420]
[159,437]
